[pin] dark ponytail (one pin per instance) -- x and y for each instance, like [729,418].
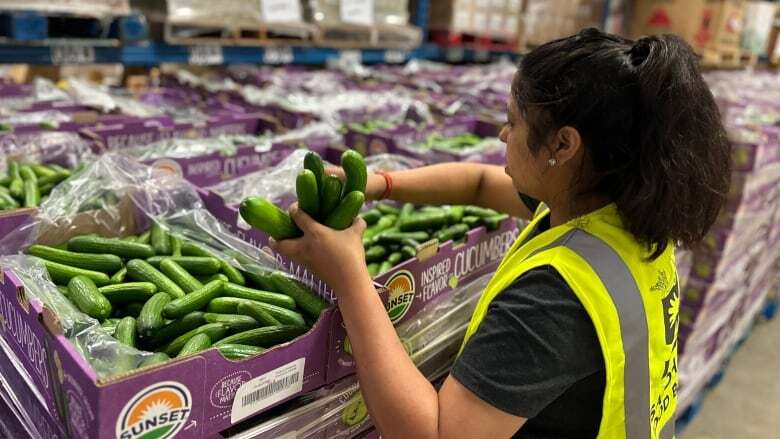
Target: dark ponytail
[649,123]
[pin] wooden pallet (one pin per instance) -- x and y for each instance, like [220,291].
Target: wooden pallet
[354,36]
[449,38]
[260,34]
[727,58]
[37,26]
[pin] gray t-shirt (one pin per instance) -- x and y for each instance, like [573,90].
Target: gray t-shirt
[536,355]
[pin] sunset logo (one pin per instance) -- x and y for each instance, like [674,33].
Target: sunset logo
[400,295]
[169,166]
[156,412]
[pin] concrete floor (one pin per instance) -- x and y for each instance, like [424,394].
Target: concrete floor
[746,404]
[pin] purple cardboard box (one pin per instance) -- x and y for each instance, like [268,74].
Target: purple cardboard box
[402,140]
[210,169]
[205,393]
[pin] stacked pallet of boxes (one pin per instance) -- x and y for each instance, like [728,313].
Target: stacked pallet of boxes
[477,21]
[355,23]
[734,269]
[549,20]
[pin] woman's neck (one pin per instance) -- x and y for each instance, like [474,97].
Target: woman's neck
[565,209]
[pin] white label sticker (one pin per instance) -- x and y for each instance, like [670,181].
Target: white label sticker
[72,54]
[351,56]
[267,389]
[206,55]
[280,11]
[357,11]
[278,55]
[395,56]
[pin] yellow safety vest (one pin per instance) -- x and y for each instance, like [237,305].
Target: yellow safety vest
[632,301]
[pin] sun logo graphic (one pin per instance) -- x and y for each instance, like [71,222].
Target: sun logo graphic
[400,295]
[169,166]
[156,412]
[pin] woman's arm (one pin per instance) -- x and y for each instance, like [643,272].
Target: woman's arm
[453,183]
[400,399]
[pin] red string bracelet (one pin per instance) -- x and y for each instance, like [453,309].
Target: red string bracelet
[388,185]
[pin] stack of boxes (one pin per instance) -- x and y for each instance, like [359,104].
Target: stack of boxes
[547,20]
[499,19]
[734,269]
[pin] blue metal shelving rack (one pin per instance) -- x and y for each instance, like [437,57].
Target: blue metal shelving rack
[150,53]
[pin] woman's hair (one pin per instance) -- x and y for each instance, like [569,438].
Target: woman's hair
[649,124]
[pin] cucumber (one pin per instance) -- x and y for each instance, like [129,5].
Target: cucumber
[229,305]
[215,331]
[375,253]
[492,222]
[371,216]
[155,358]
[307,301]
[456,213]
[16,186]
[373,269]
[424,221]
[125,331]
[408,252]
[384,223]
[130,238]
[257,313]
[53,179]
[196,265]
[161,241]
[313,162]
[120,294]
[330,195]
[28,174]
[264,215]
[150,318]
[236,322]
[7,200]
[406,211]
[410,242]
[190,248]
[119,276]
[63,290]
[395,258]
[139,269]
[106,263]
[218,276]
[481,212]
[194,345]
[32,195]
[343,216]
[239,351]
[194,301]
[266,336]
[282,300]
[472,221]
[109,325]
[261,280]
[308,193]
[175,245]
[176,328]
[83,292]
[45,190]
[387,209]
[355,171]
[179,275]
[43,171]
[61,274]
[386,265]
[454,232]
[145,237]
[97,244]
[388,237]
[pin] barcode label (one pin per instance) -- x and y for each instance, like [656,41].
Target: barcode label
[72,54]
[205,55]
[267,389]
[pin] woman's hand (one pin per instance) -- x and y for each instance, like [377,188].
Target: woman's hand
[336,257]
[375,185]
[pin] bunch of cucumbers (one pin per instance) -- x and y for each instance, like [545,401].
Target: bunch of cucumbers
[27,185]
[454,143]
[165,294]
[370,126]
[393,233]
[324,197]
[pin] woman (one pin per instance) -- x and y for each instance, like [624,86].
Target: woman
[618,153]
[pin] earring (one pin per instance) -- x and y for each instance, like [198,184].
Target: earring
[552,162]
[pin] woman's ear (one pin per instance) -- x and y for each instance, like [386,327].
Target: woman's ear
[567,142]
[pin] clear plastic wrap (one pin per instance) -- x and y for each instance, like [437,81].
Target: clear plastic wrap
[63,148]
[100,97]
[432,339]
[116,196]
[182,148]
